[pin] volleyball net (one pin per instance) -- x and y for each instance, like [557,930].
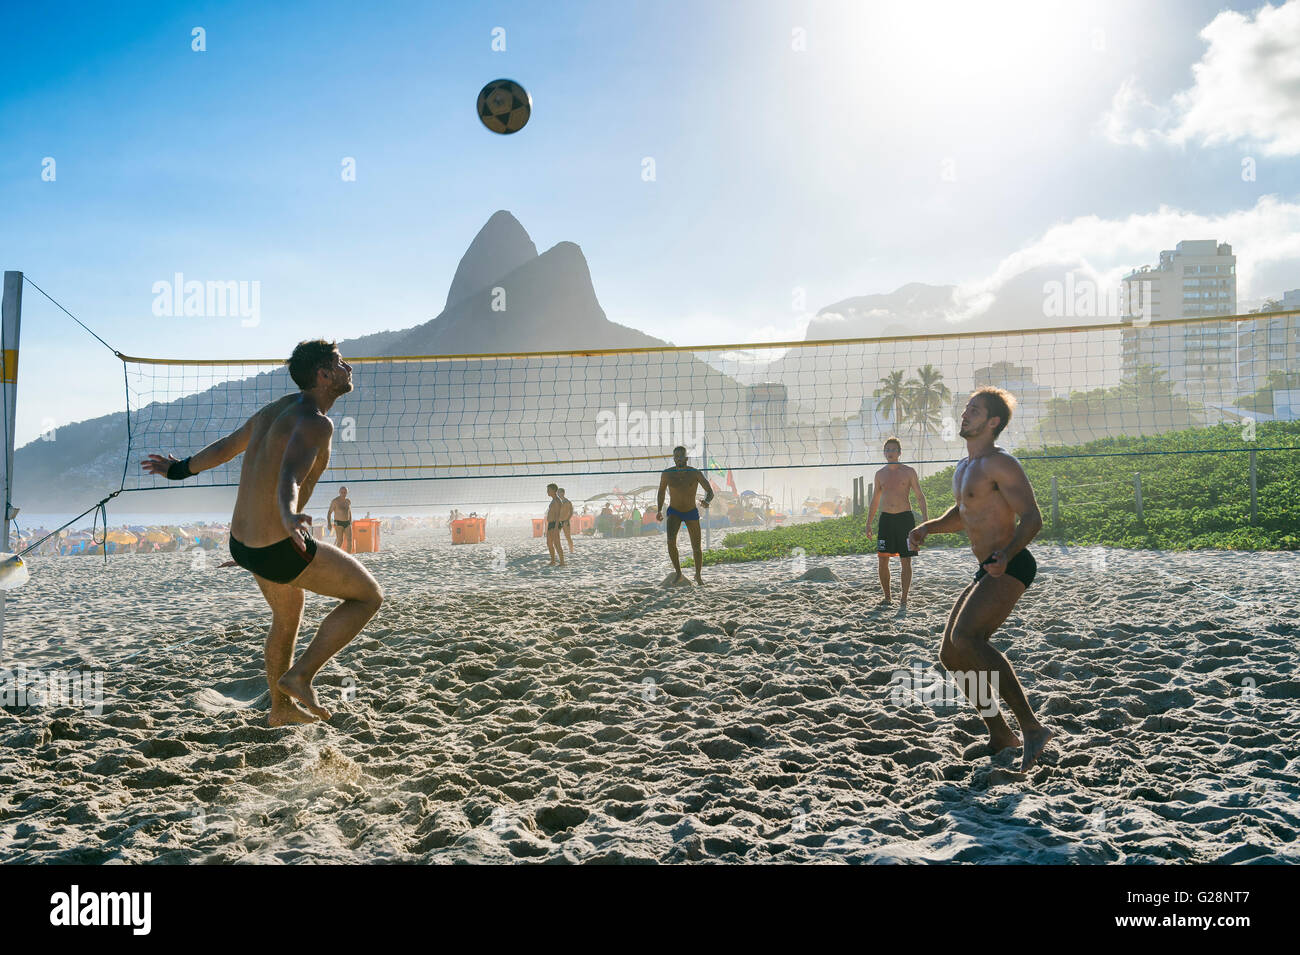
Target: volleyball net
[484,423]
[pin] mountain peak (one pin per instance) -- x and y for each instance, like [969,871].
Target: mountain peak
[500,247]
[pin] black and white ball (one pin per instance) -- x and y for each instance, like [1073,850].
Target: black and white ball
[504,106]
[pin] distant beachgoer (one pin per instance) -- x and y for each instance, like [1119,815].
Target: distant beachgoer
[996,507]
[286,446]
[895,483]
[566,516]
[605,521]
[340,514]
[553,510]
[680,481]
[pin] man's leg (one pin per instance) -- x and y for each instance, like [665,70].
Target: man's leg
[693,529]
[332,573]
[351,547]
[883,569]
[558,545]
[286,603]
[674,523]
[970,653]
[568,535]
[907,577]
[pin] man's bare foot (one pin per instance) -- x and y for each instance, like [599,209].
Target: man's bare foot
[288,715]
[1035,741]
[998,743]
[294,685]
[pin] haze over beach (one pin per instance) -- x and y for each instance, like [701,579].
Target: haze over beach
[632,434]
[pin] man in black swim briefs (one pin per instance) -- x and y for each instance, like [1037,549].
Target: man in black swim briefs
[996,507]
[554,525]
[286,446]
[680,482]
[339,519]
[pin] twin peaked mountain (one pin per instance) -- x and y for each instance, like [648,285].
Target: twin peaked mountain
[549,303]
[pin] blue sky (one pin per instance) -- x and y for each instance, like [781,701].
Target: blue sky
[902,142]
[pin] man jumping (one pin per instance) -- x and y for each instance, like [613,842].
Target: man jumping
[996,507]
[681,481]
[286,446]
[895,484]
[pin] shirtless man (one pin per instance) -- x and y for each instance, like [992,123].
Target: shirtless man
[895,484]
[566,515]
[286,446]
[340,515]
[680,482]
[553,512]
[996,507]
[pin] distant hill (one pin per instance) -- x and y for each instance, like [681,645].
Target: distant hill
[504,297]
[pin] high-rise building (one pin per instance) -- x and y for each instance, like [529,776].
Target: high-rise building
[1268,345]
[1197,278]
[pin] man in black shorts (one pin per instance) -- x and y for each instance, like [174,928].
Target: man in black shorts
[894,486]
[286,446]
[996,507]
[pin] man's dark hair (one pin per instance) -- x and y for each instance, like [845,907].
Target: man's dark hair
[893,440]
[997,404]
[309,358]
[550,486]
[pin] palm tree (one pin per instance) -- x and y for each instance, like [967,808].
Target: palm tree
[892,397]
[926,397]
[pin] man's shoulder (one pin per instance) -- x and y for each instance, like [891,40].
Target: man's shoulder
[1003,461]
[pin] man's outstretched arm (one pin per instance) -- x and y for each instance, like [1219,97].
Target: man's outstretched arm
[663,486]
[214,455]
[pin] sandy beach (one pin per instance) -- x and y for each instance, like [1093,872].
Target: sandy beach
[498,710]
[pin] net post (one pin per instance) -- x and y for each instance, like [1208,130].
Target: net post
[1137,493]
[1253,514]
[708,537]
[11,307]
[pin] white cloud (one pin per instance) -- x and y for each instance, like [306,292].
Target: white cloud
[1105,249]
[1246,90]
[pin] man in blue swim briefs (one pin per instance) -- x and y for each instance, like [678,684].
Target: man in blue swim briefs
[680,482]
[995,506]
[286,446]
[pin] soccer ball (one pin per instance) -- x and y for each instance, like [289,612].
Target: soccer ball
[504,106]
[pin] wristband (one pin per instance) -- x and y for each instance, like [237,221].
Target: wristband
[179,470]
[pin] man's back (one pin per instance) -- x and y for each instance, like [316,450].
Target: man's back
[256,521]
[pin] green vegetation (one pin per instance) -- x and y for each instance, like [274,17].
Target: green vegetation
[1144,402]
[1261,402]
[1190,501]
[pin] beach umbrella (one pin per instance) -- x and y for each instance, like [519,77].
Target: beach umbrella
[157,537]
[119,536]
